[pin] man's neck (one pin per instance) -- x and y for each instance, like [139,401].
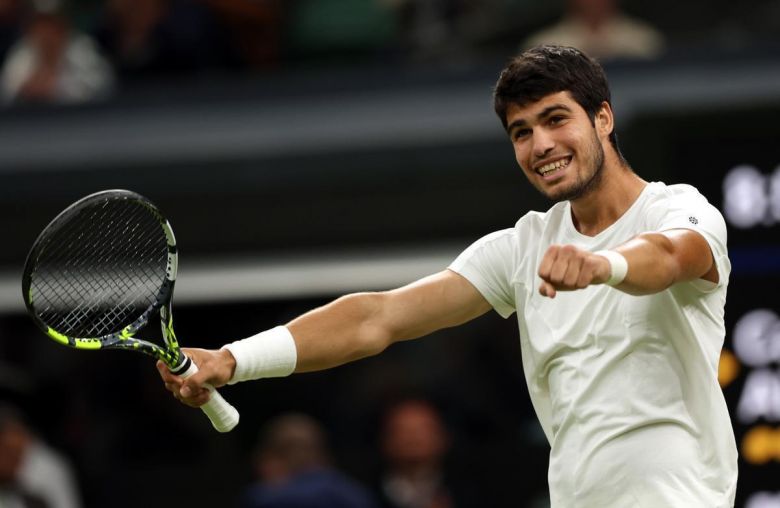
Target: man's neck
[618,190]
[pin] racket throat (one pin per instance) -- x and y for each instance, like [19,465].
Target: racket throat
[183,365]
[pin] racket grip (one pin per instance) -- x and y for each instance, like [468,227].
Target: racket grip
[223,416]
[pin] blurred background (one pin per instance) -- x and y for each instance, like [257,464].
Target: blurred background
[306,148]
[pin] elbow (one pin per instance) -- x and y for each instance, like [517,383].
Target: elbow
[371,343]
[373,334]
[671,261]
[668,274]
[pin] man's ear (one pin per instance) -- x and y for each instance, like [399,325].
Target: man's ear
[605,120]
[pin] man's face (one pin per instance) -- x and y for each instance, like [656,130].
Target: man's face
[557,146]
[414,435]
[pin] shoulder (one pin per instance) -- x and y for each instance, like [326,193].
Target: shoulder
[492,248]
[527,229]
[683,206]
[507,246]
[678,189]
[536,228]
[636,26]
[661,195]
[535,222]
[314,488]
[662,190]
[337,489]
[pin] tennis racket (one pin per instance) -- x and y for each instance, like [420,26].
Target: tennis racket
[100,271]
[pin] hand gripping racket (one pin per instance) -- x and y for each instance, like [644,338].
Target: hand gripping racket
[97,274]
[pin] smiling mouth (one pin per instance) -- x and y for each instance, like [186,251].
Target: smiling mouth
[553,167]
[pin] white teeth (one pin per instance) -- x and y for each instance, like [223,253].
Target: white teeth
[553,165]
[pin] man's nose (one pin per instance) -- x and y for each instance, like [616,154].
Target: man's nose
[543,143]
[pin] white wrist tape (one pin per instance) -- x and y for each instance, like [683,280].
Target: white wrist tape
[618,266]
[270,353]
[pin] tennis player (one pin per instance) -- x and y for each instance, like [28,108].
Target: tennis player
[619,291]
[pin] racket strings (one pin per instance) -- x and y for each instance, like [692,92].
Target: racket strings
[101,269]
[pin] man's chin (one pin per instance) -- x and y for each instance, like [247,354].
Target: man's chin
[575,190]
[564,194]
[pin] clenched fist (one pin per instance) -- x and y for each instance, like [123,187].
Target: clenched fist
[566,268]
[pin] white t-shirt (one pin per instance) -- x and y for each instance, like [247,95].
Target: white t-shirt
[625,387]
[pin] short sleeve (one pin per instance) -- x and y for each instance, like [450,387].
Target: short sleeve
[688,209]
[488,264]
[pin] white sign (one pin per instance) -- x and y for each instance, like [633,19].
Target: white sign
[764,500]
[751,198]
[756,342]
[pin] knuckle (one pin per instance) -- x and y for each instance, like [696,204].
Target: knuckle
[569,250]
[550,254]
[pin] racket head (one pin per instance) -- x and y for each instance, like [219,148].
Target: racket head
[98,272]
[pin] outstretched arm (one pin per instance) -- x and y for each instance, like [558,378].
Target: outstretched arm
[364,324]
[351,327]
[655,261]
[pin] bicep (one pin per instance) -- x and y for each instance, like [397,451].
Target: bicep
[442,300]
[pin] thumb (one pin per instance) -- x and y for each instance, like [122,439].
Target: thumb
[547,289]
[194,386]
[194,392]
[185,390]
[194,380]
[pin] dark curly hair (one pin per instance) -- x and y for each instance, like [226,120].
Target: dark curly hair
[544,70]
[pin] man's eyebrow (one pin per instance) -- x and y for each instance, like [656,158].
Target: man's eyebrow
[542,114]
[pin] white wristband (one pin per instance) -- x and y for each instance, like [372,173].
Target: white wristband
[270,353]
[618,266]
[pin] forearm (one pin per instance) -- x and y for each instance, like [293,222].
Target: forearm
[352,327]
[342,331]
[656,261]
[346,329]
[356,326]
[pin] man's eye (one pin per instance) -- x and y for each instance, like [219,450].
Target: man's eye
[556,119]
[520,133]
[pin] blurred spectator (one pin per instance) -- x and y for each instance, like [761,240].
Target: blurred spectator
[602,30]
[293,469]
[32,475]
[254,28]
[414,442]
[426,26]
[438,29]
[53,63]
[146,38]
